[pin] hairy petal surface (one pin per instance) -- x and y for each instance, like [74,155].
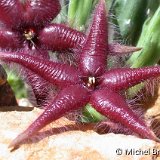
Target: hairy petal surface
[94,53]
[11,12]
[124,78]
[40,87]
[9,39]
[55,73]
[41,12]
[112,105]
[118,49]
[70,98]
[60,37]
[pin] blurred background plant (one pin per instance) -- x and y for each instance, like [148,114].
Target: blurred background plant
[136,22]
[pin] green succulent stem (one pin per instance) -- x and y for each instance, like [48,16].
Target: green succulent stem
[130,16]
[79,12]
[149,41]
[73,4]
[91,115]
[17,85]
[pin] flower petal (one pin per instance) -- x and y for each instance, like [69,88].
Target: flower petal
[70,98]
[41,12]
[55,73]
[60,37]
[113,106]
[9,40]
[118,49]
[94,53]
[40,86]
[11,13]
[124,78]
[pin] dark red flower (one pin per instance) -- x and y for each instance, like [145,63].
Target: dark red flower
[19,30]
[21,22]
[26,26]
[89,82]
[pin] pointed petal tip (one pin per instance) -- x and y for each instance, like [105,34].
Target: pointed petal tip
[154,137]
[129,49]
[133,49]
[102,3]
[117,49]
[157,139]
[151,136]
[13,148]
[18,141]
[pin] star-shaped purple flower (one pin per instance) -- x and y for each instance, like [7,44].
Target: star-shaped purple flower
[26,26]
[88,82]
[21,23]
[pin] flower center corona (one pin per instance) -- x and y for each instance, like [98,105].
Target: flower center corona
[91,82]
[29,34]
